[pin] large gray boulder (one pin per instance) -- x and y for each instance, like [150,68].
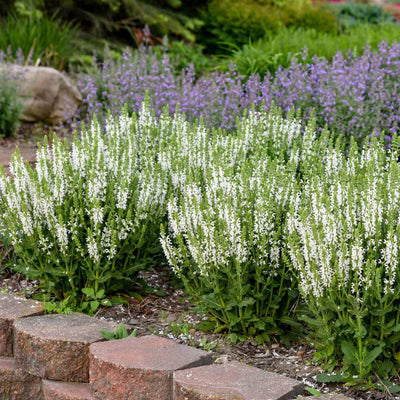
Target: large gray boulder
[47,95]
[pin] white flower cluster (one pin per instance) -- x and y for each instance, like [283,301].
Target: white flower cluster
[186,152]
[229,193]
[345,224]
[88,197]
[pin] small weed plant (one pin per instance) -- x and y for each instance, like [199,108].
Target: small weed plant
[58,307]
[118,333]
[183,329]
[93,300]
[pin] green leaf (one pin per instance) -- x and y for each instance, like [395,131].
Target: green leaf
[106,302]
[133,333]
[206,326]
[285,340]
[118,300]
[259,339]
[388,330]
[392,387]
[383,368]
[259,325]
[330,349]
[107,334]
[242,338]
[94,305]
[361,334]
[313,391]
[232,338]
[291,322]
[331,377]
[311,322]
[252,331]
[372,355]
[89,292]
[318,357]
[350,352]
[106,277]
[248,301]
[266,337]
[380,311]
[121,332]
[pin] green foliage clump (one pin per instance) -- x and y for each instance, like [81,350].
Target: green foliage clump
[10,105]
[278,50]
[41,39]
[233,22]
[269,211]
[58,307]
[350,14]
[86,218]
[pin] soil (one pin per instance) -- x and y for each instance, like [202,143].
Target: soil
[172,315]
[27,138]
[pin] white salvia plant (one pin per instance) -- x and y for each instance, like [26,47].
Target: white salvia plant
[224,236]
[224,241]
[343,241]
[346,217]
[87,211]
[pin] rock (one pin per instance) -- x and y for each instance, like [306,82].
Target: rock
[139,368]
[233,380]
[17,384]
[47,95]
[56,346]
[53,390]
[11,308]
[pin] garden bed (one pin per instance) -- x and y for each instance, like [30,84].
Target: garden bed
[251,219]
[171,316]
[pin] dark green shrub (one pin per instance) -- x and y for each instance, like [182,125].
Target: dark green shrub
[10,107]
[319,18]
[233,22]
[230,22]
[124,19]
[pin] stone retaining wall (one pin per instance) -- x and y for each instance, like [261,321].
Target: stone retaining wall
[64,357]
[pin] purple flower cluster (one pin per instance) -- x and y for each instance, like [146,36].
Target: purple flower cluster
[351,95]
